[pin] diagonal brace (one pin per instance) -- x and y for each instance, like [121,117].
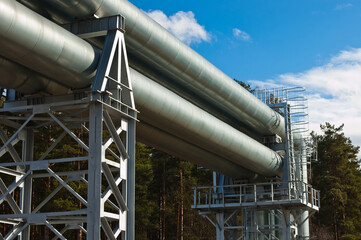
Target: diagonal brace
[47,199]
[62,135]
[17,229]
[114,187]
[9,198]
[113,133]
[54,230]
[110,140]
[107,229]
[10,146]
[62,231]
[12,138]
[230,216]
[62,182]
[108,191]
[69,132]
[210,220]
[14,185]
[12,143]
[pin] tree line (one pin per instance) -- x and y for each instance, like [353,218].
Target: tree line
[164,192]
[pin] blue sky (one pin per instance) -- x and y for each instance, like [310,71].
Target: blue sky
[270,43]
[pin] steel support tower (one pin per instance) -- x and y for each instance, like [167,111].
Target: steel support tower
[100,121]
[267,208]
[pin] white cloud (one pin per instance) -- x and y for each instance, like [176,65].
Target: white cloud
[239,34]
[183,25]
[351,56]
[343,6]
[334,92]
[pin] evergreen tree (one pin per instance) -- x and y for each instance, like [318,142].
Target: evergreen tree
[337,175]
[146,207]
[164,197]
[245,85]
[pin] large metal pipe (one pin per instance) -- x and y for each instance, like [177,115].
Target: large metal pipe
[177,147]
[25,80]
[69,78]
[53,12]
[14,76]
[153,43]
[41,45]
[69,59]
[165,109]
[147,71]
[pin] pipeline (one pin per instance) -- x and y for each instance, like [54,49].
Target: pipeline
[177,147]
[40,45]
[47,48]
[163,108]
[149,41]
[22,79]
[145,70]
[14,76]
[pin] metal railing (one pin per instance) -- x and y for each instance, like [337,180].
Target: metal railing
[275,193]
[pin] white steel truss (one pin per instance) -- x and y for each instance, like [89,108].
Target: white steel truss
[100,124]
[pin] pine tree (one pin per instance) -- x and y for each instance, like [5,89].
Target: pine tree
[337,175]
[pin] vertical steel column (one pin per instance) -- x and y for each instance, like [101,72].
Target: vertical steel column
[250,223]
[289,171]
[286,228]
[220,226]
[28,154]
[218,180]
[272,221]
[305,227]
[96,155]
[131,180]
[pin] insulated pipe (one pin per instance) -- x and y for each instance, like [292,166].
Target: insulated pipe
[168,83]
[39,44]
[161,140]
[24,80]
[55,72]
[69,59]
[45,8]
[168,111]
[153,43]
[165,109]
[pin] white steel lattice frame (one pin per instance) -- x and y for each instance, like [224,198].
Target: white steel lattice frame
[107,207]
[280,205]
[285,205]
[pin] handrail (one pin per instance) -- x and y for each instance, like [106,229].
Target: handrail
[258,194]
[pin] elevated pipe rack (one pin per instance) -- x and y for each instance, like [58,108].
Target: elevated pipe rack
[276,209]
[159,106]
[107,207]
